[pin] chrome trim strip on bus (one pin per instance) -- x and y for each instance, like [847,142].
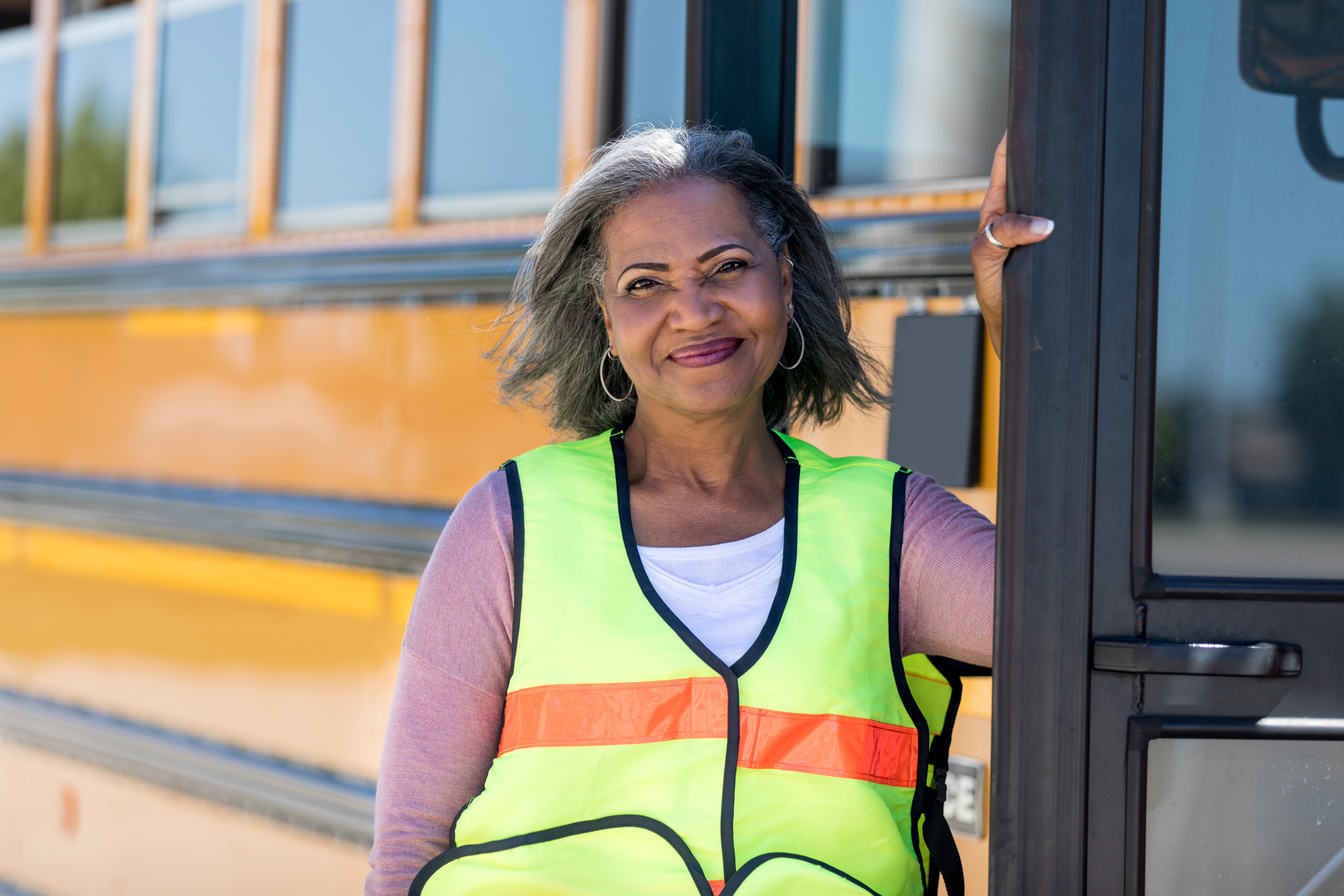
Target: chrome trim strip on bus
[303,796]
[383,536]
[892,255]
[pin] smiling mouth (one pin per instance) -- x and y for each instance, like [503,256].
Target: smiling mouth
[706,353]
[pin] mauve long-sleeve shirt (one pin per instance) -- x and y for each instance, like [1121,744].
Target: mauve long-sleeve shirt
[444,727]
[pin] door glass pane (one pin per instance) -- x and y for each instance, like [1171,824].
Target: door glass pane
[338,113]
[903,91]
[492,136]
[16,61]
[200,147]
[93,108]
[1249,817]
[1250,355]
[653,87]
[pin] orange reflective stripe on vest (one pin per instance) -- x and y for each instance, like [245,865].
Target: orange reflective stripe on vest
[642,712]
[648,711]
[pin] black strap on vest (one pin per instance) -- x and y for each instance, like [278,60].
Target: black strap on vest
[943,857]
[943,854]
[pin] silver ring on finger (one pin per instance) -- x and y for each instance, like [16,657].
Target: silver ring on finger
[989,235]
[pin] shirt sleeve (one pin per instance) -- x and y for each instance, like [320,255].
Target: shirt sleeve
[447,710]
[947,576]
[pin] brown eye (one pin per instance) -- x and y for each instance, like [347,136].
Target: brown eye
[641,283]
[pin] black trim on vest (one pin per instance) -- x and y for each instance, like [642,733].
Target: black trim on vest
[452,826]
[637,565]
[898,668]
[569,830]
[741,877]
[790,562]
[943,855]
[729,674]
[516,511]
[707,656]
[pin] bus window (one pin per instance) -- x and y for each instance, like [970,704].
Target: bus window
[1208,798]
[16,60]
[1250,356]
[71,8]
[492,128]
[901,92]
[337,113]
[198,161]
[653,83]
[93,101]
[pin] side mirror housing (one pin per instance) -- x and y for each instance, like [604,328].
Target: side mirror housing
[1297,47]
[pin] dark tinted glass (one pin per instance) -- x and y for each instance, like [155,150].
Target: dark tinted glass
[1242,817]
[653,89]
[337,113]
[1250,357]
[493,124]
[93,103]
[200,114]
[903,91]
[16,60]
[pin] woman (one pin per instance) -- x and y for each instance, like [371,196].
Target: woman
[669,727]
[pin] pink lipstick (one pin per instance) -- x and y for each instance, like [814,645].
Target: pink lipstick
[706,354]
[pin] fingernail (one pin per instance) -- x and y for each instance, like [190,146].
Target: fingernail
[1042,226]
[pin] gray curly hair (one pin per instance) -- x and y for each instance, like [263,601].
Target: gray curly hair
[554,337]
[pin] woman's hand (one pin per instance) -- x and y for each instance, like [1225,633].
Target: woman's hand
[1011,230]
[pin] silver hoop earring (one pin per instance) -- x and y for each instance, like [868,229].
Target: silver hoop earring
[602,377]
[802,347]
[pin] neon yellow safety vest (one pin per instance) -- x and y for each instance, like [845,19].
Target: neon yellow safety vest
[633,760]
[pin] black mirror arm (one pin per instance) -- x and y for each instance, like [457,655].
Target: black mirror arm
[1311,135]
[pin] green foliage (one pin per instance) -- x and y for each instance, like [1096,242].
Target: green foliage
[91,168]
[1171,455]
[1312,378]
[13,159]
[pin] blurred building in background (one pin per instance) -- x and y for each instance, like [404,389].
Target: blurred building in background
[249,255]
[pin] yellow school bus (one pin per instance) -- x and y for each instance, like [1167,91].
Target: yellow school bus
[250,254]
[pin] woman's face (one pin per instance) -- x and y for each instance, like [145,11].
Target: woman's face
[695,301]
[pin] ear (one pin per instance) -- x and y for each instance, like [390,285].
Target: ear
[786,275]
[606,318]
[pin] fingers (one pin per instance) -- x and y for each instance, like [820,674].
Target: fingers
[1009,230]
[996,197]
[1012,231]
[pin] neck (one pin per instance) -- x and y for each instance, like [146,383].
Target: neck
[708,455]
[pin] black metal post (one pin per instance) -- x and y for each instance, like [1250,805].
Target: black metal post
[740,70]
[1047,471]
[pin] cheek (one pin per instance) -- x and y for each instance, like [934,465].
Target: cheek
[632,327]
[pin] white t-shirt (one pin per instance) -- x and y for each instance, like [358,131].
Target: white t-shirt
[722,592]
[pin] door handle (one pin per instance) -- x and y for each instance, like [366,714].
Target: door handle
[1264,659]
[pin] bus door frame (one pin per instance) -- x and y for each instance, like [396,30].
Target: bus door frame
[1070,732]
[1076,140]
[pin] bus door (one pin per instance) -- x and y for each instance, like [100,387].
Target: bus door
[1169,662]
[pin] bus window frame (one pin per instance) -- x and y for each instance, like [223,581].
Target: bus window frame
[17,46]
[156,15]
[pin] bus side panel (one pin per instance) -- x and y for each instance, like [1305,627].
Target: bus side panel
[384,402]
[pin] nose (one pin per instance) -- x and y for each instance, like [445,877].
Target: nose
[695,306]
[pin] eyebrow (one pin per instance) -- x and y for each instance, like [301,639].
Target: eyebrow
[701,259]
[724,248]
[646,265]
